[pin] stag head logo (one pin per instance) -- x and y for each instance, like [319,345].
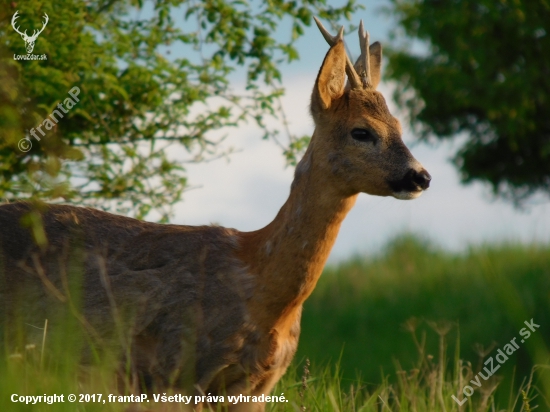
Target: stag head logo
[29,40]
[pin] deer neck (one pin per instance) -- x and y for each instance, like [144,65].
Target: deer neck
[289,254]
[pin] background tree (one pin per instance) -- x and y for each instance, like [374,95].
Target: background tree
[486,73]
[155,84]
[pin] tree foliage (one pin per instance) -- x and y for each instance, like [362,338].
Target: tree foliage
[486,74]
[156,84]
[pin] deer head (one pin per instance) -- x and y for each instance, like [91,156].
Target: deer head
[29,40]
[357,142]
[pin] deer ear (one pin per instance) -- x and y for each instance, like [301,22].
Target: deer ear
[375,57]
[331,79]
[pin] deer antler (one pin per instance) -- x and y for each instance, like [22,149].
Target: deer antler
[46,20]
[35,33]
[15,16]
[362,65]
[353,77]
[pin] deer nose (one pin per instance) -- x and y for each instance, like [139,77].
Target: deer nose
[422,179]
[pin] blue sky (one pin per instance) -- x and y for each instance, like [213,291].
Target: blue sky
[247,191]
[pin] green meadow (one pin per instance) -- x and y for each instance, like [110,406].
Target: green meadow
[404,330]
[384,315]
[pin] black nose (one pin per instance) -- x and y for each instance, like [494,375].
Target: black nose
[422,179]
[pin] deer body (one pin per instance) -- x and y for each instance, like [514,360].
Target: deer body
[210,308]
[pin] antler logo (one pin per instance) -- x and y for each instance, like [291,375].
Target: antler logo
[29,40]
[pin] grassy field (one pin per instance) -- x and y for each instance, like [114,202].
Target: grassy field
[429,388]
[401,331]
[372,314]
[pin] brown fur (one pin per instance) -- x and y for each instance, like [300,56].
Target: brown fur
[210,309]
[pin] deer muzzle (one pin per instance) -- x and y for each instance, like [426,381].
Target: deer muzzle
[412,184]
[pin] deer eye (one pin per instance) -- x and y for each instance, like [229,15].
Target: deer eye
[363,135]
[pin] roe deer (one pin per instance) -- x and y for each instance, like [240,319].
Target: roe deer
[210,309]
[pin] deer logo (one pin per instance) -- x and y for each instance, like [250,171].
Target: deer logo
[29,40]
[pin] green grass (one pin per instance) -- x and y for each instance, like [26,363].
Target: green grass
[358,311]
[418,390]
[401,331]
[427,388]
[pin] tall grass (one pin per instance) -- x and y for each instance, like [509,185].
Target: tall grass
[358,311]
[402,331]
[429,387]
